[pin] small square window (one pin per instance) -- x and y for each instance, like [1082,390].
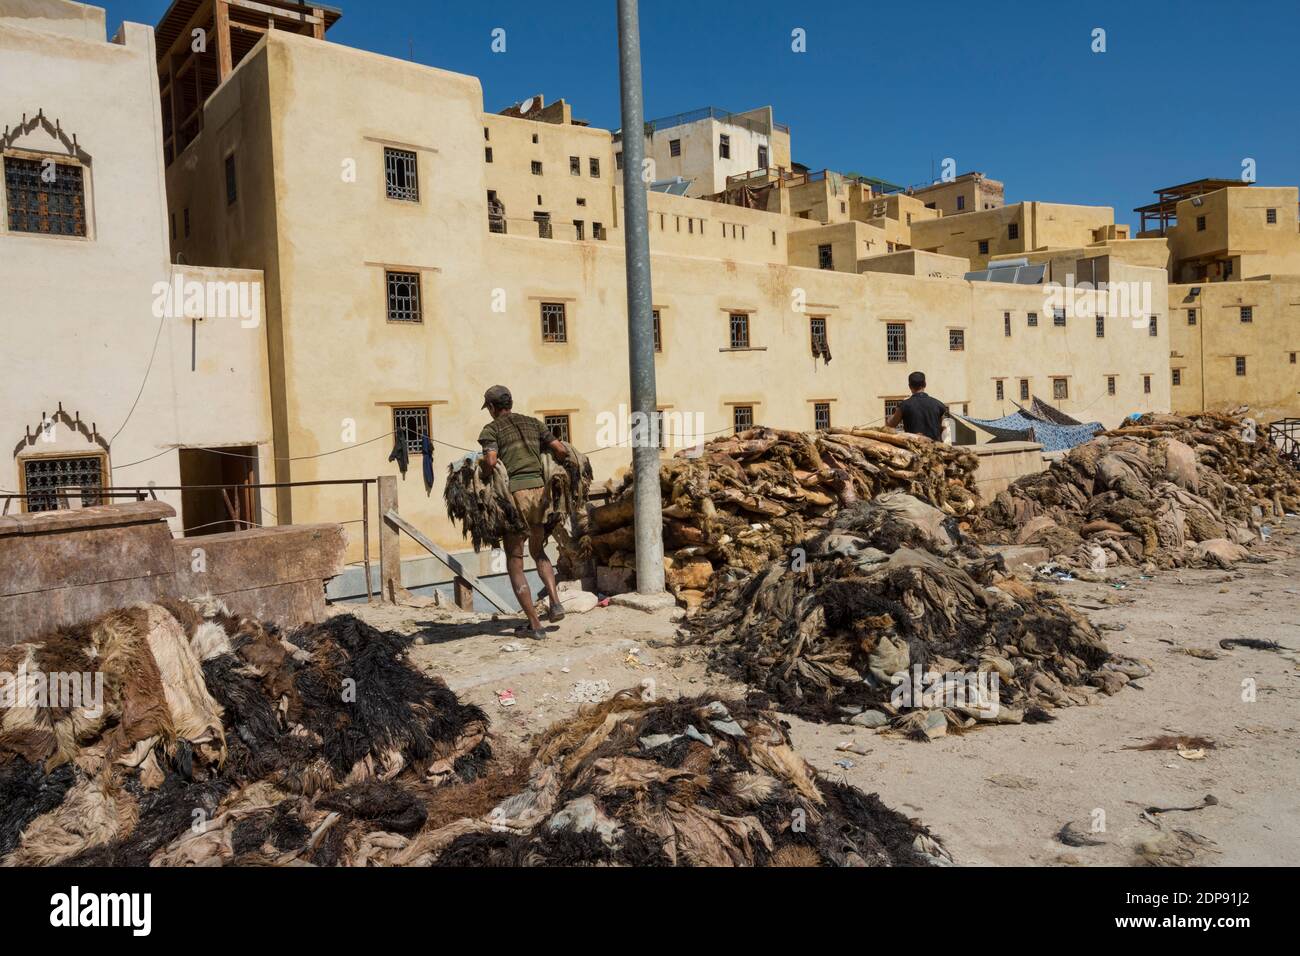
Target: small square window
[1270,216]
[961,202]
[1247,313]
[411,422]
[1191,316]
[1032,319]
[404,297]
[559,426]
[956,340]
[46,197]
[984,247]
[575,166]
[536,167]
[821,415]
[578,229]
[554,322]
[674,147]
[44,478]
[598,231]
[401,174]
[739,330]
[1200,223]
[742,417]
[891,406]
[1024,389]
[817,330]
[1241,365]
[1058,318]
[1060,389]
[1013,230]
[581,201]
[1177,378]
[593,167]
[896,342]
[534,137]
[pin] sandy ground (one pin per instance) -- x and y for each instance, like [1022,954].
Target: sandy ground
[997,795]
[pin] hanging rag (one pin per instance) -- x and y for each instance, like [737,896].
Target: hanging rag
[426,447]
[399,453]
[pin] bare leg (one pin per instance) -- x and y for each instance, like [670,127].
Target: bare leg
[515,568]
[545,570]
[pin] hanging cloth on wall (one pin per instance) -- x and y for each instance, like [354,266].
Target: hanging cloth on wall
[426,447]
[399,453]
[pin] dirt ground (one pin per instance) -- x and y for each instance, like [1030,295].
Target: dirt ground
[1000,794]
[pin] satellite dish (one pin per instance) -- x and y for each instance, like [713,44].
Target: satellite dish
[526,105]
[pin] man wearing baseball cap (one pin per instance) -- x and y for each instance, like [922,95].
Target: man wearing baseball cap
[519,441]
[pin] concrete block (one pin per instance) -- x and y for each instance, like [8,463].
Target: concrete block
[1017,554]
[645,602]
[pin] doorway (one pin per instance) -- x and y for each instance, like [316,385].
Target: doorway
[213,510]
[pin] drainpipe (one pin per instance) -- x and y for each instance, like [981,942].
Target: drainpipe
[640,328]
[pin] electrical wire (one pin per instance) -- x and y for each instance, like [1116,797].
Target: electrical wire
[144,381]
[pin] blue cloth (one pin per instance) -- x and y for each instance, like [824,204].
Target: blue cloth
[1022,427]
[426,446]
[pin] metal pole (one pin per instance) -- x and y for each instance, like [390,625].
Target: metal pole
[640,327]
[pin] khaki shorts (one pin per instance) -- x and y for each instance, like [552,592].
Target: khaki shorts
[532,504]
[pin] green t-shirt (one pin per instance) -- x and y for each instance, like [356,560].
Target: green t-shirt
[520,442]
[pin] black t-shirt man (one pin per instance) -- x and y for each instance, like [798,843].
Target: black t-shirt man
[920,414]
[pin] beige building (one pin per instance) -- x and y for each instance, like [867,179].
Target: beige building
[1234,254]
[394,298]
[119,367]
[1017,229]
[969,192]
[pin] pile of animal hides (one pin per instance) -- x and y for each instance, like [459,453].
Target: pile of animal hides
[1162,489]
[486,511]
[632,781]
[183,735]
[745,500]
[897,620]
[207,739]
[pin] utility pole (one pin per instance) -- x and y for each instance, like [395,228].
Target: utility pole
[640,327]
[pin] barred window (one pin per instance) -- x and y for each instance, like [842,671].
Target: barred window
[401,173]
[896,342]
[956,340]
[658,330]
[1241,365]
[674,147]
[45,477]
[1200,223]
[543,220]
[817,331]
[821,415]
[1153,327]
[1058,317]
[1110,384]
[825,258]
[1177,376]
[891,406]
[1013,230]
[598,231]
[404,297]
[742,417]
[575,166]
[724,146]
[1146,384]
[1191,316]
[1247,313]
[1060,388]
[984,247]
[1270,217]
[537,168]
[593,166]
[1001,390]
[45,196]
[1033,320]
[411,422]
[554,325]
[559,426]
[1006,324]
[1101,326]
[1024,389]
[739,330]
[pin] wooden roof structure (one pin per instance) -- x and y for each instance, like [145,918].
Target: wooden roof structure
[192,64]
[1163,213]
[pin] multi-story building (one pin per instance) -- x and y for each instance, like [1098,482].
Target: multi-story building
[407,269]
[1016,229]
[969,192]
[118,367]
[1234,298]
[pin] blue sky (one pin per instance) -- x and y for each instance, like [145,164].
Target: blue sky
[1184,90]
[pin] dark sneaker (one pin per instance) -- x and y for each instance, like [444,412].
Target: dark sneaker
[555,614]
[536,634]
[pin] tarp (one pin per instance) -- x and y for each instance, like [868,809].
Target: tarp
[1025,425]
